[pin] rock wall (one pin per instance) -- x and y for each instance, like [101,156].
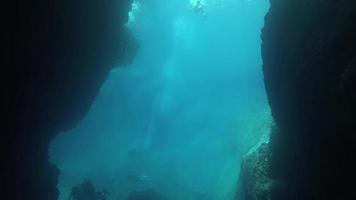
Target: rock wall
[255,182]
[57,54]
[309,54]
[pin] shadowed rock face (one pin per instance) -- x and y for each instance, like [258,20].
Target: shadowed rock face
[309,52]
[58,53]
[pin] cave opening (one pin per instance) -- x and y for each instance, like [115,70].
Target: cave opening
[179,119]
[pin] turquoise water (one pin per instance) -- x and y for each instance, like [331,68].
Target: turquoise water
[179,119]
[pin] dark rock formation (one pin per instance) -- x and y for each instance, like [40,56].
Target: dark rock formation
[309,52]
[255,182]
[57,55]
[147,194]
[87,191]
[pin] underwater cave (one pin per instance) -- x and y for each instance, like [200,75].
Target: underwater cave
[179,100]
[181,116]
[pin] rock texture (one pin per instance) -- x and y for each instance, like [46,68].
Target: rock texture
[148,194]
[256,184]
[309,53]
[57,55]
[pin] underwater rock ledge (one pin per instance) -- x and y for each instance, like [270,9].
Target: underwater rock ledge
[58,53]
[309,50]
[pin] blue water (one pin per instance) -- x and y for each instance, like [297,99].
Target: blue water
[181,117]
